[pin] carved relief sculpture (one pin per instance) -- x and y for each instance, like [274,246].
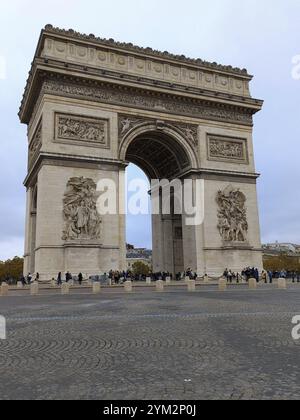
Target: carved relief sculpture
[136,97]
[82,220]
[227,149]
[84,129]
[232,215]
[126,123]
[36,142]
[189,131]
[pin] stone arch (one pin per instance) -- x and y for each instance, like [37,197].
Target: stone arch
[138,143]
[162,152]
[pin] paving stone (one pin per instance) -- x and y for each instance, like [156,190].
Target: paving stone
[146,345]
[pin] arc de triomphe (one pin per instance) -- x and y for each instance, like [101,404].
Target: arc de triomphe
[92,106]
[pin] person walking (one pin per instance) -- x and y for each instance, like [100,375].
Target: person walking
[23,280]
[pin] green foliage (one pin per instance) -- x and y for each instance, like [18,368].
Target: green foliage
[140,268]
[11,268]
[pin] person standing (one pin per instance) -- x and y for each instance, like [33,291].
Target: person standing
[29,278]
[59,282]
[68,277]
[270,277]
[80,279]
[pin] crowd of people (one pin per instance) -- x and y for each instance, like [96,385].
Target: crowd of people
[29,279]
[266,276]
[114,277]
[119,277]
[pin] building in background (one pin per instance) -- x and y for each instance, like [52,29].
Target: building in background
[135,255]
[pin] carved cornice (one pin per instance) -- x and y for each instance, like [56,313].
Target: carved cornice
[58,159]
[148,51]
[144,99]
[58,69]
[68,52]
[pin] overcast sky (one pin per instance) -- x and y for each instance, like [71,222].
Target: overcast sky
[261,35]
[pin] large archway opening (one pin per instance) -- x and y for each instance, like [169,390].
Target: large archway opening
[159,156]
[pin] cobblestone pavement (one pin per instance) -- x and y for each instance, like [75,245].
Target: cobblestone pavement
[149,345]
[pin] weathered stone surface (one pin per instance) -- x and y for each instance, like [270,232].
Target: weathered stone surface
[65,289]
[206,279]
[96,288]
[252,284]
[191,286]
[34,288]
[4,289]
[197,122]
[160,286]
[128,286]
[282,284]
[222,284]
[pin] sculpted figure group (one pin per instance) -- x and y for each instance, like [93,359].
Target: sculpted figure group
[233,225]
[82,220]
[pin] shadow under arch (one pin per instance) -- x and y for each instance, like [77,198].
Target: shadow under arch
[161,151]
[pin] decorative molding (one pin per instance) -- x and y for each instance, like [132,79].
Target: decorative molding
[144,67]
[82,221]
[141,99]
[188,131]
[227,149]
[35,143]
[136,49]
[82,130]
[232,215]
